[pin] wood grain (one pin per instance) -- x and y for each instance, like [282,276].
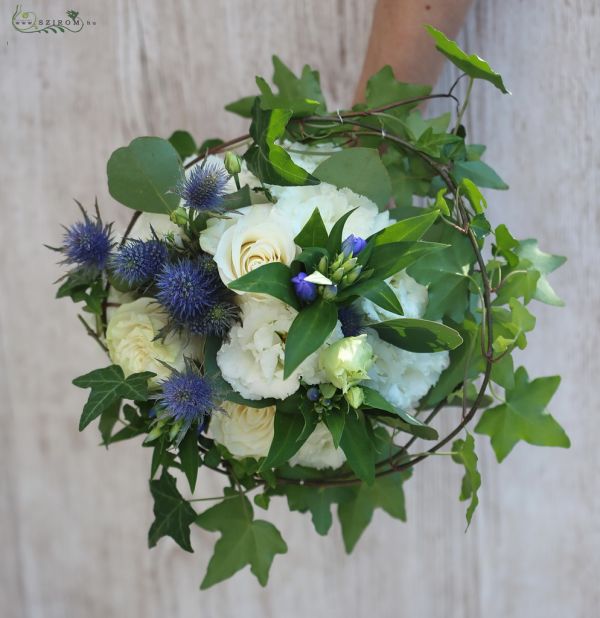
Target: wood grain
[74,517]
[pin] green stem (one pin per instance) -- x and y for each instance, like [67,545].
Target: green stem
[464,105]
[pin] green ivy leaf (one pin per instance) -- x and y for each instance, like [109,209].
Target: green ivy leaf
[189,455]
[406,230]
[361,171]
[356,510]
[472,65]
[474,195]
[109,385]
[184,144]
[173,515]
[314,232]
[523,416]
[144,174]
[317,500]
[265,158]
[479,173]
[464,453]
[418,335]
[308,332]
[383,88]
[242,107]
[244,541]
[273,279]
[545,263]
[357,444]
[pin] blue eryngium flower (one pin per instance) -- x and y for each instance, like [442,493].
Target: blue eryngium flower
[353,245]
[188,396]
[139,261]
[351,320]
[216,320]
[305,290]
[204,188]
[87,243]
[186,290]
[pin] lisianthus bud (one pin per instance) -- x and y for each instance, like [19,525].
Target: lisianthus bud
[329,292]
[353,245]
[327,390]
[355,396]
[233,163]
[347,361]
[322,268]
[179,216]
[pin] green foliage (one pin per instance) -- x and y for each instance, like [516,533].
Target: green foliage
[242,107]
[84,286]
[523,416]
[360,170]
[479,173]
[189,456]
[406,230]
[464,453]
[144,174]
[308,332]
[244,541]
[265,158]
[357,444]
[317,500]
[531,257]
[173,515]
[360,501]
[273,279]
[184,144]
[418,335]
[108,386]
[472,65]
[314,232]
[389,259]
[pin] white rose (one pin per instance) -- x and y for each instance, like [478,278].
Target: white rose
[296,205]
[403,377]
[258,236]
[412,296]
[131,338]
[319,451]
[252,360]
[244,431]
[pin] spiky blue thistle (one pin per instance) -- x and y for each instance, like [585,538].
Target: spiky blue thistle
[204,187]
[187,396]
[87,243]
[352,321]
[186,290]
[139,261]
[216,320]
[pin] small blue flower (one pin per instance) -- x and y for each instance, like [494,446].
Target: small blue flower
[351,320]
[313,393]
[187,396]
[139,261]
[87,243]
[204,188]
[305,290]
[353,245]
[185,290]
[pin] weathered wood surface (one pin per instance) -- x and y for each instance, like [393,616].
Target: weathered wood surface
[73,518]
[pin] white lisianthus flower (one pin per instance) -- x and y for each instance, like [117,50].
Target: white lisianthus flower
[297,204]
[319,451]
[131,338]
[258,236]
[347,361]
[403,377]
[252,360]
[243,431]
[412,296]
[161,224]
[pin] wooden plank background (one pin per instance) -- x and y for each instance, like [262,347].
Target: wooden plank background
[73,517]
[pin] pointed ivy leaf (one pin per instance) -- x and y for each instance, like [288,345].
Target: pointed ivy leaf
[464,453]
[383,88]
[523,416]
[189,456]
[361,171]
[545,263]
[244,541]
[242,107]
[314,232]
[474,195]
[418,335]
[173,515]
[410,229]
[356,510]
[109,385]
[308,332]
[144,174]
[183,143]
[358,446]
[317,500]
[273,279]
[478,172]
[266,159]
[108,420]
[472,65]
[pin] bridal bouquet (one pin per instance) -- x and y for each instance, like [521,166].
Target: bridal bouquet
[293,308]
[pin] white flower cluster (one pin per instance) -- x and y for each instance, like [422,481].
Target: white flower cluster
[251,359]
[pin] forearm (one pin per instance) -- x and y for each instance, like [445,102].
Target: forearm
[398,38]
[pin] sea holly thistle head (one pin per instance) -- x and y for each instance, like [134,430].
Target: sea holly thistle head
[204,188]
[216,320]
[352,321]
[88,243]
[139,261]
